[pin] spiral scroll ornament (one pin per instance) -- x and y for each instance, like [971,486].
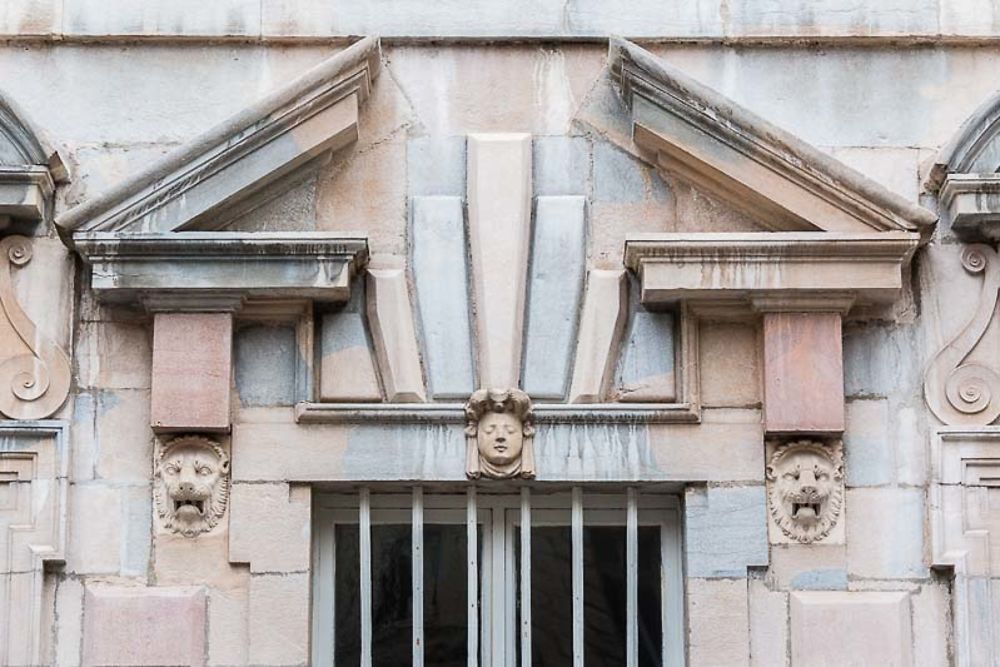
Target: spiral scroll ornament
[959,392]
[34,371]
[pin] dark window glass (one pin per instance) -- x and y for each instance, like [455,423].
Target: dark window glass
[445,593]
[605,596]
[347,621]
[392,595]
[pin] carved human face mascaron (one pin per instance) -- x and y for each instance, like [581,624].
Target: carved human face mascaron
[806,489]
[499,433]
[192,485]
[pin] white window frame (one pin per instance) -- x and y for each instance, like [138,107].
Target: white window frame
[500,516]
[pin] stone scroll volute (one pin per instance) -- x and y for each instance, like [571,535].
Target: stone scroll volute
[34,371]
[959,392]
[499,434]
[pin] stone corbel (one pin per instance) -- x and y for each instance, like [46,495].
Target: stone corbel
[802,284]
[194,283]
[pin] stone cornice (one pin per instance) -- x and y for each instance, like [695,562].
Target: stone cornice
[771,269]
[775,177]
[185,267]
[971,203]
[301,123]
[454,413]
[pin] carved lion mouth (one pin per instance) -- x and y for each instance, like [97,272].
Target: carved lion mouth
[805,511]
[189,508]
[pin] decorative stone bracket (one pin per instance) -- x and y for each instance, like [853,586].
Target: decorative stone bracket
[194,282]
[802,283]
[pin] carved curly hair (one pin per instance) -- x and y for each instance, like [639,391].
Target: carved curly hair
[499,400]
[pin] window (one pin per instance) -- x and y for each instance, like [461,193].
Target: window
[595,581]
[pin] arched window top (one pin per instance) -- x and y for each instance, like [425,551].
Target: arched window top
[975,148]
[22,146]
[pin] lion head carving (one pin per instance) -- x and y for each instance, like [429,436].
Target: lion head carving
[499,432]
[806,489]
[191,484]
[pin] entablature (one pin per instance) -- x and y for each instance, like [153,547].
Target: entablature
[815,271]
[136,267]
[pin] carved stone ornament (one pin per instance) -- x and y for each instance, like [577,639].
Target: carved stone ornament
[34,371]
[191,484]
[805,481]
[959,392]
[499,433]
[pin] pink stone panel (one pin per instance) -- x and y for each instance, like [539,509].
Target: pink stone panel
[143,626]
[803,373]
[192,363]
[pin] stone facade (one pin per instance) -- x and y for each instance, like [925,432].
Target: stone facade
[743,262]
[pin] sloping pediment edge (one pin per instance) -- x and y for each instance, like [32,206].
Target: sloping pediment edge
[302,123]
[778,179]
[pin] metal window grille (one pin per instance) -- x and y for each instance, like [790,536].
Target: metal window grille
[495,636]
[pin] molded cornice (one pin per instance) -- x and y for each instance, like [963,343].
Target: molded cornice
[772,270]
[302,123]
[217,270]
[773,176]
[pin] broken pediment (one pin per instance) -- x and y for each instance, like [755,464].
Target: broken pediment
[201,184]
[154,237]
[29,170]
[698,134]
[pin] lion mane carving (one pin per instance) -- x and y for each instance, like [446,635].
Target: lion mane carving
[191,484]
[806,489]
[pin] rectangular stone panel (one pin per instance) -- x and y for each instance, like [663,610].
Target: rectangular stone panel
[558,260]
[857,628]
[347,368]
[803,373]
[441,277]
[139,626]
[725,531]
[267,361]
[499,199]
[646,367]
[192,368]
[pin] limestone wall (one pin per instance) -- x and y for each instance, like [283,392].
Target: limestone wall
[113,87]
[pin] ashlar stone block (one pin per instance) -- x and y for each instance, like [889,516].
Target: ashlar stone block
[499,199]
[440,276]
[138,626]
[719,623]
[558,259]
[803,373]
[725,530]
[605,307]
[390,316]
[829,629]
[269,527]
[192,369]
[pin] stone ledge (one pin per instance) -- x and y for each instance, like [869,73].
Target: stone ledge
[454,413]
[222,264]
[760,265]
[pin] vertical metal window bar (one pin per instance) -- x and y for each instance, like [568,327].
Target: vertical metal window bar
[365,535]
[471,525]
[525,577]
[577,536]
[632,579]
[418,576]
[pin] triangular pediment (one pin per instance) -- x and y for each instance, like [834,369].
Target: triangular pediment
[697,134]
[241,162]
